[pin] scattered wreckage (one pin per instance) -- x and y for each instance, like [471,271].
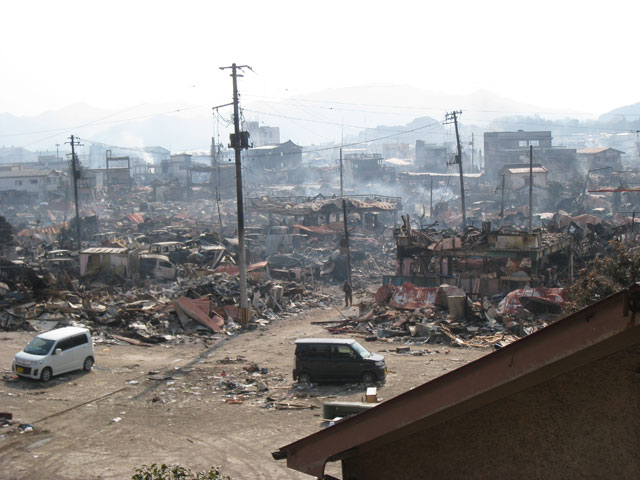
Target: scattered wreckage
[446,315]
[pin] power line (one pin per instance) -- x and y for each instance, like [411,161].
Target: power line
[325,122]
[408,107]
[95,123]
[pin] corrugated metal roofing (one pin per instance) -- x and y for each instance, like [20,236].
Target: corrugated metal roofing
[526,170]
[136,217]
[105,250]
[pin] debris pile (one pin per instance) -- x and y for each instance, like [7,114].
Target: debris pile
[446,315]
[156,313]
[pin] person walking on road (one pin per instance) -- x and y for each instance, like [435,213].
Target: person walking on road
[348,299]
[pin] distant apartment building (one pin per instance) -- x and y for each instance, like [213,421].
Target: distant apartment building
[502,148]
[505,148]
[261,135]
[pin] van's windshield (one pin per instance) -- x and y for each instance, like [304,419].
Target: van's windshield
[39,346]
[363,352]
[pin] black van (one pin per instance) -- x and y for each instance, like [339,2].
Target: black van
[336,359]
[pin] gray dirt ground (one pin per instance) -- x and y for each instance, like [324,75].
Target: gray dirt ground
[184,419]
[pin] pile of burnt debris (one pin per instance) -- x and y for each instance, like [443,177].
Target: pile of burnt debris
[150,271]
[446,315]
[148,313]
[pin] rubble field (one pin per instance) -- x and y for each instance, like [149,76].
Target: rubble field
[205,400]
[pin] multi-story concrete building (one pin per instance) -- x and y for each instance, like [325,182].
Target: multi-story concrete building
[502,148]
[262,135]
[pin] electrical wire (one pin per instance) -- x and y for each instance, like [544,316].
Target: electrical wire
[407,107]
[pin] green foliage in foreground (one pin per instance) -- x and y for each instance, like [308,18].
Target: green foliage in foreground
[176,472]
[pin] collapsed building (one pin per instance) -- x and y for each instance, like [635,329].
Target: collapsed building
[318,210]
[481,262]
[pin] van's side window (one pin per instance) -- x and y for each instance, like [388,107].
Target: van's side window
[66,344]
[321,351]
[343,351]
[80,339]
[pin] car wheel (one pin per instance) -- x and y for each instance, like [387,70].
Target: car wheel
[369,378]
[46,374]
[304,377]
[88,364]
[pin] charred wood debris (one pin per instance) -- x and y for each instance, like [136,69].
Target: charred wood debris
[479,287]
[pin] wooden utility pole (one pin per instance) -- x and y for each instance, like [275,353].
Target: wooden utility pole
[346,239]
[453,117]
[531,188]
[75,173]
[239,141]
[502,201]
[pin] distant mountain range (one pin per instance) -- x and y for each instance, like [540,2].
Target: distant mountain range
[629,113]
[321,117]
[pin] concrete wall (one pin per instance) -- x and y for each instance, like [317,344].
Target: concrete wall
[583,425]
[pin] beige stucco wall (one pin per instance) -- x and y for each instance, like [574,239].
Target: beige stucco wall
[583,424]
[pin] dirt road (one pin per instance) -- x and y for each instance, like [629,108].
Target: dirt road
[193,403]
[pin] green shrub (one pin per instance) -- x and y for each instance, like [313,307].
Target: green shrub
[176,472]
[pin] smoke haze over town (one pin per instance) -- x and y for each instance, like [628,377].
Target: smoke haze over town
[339,239]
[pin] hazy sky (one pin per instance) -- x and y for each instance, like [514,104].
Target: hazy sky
[579,55]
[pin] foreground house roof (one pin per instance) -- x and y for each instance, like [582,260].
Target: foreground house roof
[590,334]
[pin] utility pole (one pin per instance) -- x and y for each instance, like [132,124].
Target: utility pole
[341,180]
[453,117]
[346,239]
[213,174]
[75,173]
[240,141]
[502,201]
[531,188]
